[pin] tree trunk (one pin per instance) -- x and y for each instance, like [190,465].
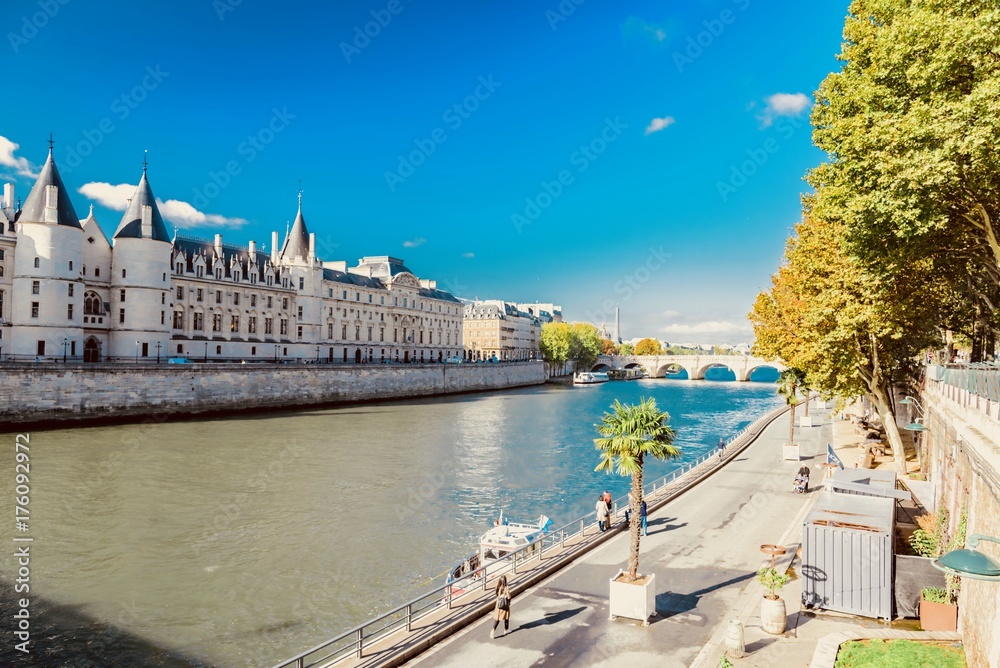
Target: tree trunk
[880,397]
[806,413]
[791,424]
[634,524]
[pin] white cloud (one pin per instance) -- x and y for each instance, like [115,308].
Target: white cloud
[784,104]
[468,255]
[181,213]
[413,243]
[670,314]
[707,327]
[658,124]
[7,159]
[635,26]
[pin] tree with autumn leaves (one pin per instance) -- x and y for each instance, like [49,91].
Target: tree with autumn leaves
[900,240]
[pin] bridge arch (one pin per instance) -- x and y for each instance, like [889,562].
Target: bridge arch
[673,371]
[771,366]
[600,366]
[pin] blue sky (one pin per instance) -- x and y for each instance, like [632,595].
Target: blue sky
[579,152]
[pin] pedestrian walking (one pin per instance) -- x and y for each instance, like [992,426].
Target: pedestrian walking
[502,608]
[721,446]
[607,502]
[602,513]
[642,516]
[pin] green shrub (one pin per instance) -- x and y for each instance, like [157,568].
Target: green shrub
[724,662]
[935,595]
[772,579]
[924,544]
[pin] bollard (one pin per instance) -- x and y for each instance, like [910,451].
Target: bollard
[735,641]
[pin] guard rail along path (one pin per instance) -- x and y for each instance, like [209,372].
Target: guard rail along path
[397,636]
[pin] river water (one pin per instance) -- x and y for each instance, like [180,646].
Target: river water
[243,541]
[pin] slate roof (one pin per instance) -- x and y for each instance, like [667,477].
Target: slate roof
[131,225]
[193,247]
[34,207]
[297,239]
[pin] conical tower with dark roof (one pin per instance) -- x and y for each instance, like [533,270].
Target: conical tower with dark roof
[297,247]
[47,293]
[140,279]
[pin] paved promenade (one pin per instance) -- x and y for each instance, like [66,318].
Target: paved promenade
[704,550]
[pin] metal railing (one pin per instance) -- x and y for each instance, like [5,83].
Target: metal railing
[352,643]
[981,379]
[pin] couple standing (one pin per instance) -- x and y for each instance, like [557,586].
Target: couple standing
[603,511]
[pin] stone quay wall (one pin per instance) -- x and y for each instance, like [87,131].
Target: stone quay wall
[34,393]
[961,456]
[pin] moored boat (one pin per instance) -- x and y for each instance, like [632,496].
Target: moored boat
[590,377]
[502,539]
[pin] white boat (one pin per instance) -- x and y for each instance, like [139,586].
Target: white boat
[590,377]
[502,539]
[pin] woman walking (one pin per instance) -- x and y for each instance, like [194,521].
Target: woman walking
[502,606]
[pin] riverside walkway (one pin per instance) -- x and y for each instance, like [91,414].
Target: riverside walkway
[704,549]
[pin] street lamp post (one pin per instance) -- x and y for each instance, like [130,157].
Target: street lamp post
[206,352]
[136,352]
[65,343]
[158,352]
[317,354]
[275,353]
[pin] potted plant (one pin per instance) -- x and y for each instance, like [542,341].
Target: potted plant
[939,605]
[937,611]
[630,434]
[788,386]
[772,606]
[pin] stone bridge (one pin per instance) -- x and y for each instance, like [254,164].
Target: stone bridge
[657,366]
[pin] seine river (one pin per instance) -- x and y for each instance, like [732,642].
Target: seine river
[243,541]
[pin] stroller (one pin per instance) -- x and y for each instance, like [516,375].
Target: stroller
[801,485]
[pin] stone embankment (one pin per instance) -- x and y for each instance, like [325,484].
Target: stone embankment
[44,393]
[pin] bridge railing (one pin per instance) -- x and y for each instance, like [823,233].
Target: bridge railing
[353,643]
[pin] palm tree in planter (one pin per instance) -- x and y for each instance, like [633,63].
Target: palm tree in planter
[629,435]
[788,386]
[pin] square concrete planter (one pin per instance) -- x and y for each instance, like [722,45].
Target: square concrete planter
[790,452]
[806,421]
[633,601]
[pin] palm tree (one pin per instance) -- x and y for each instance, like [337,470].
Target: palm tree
[788,385]
[628,435]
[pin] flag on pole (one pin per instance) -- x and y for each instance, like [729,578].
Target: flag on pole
[831,456]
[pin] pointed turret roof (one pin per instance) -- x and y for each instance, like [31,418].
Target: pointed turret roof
[34,207]
[131,225]
[296,240]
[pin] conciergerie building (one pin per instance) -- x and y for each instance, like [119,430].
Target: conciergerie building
[68,293]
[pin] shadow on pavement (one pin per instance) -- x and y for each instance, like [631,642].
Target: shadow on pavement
[669,604]
[550,618]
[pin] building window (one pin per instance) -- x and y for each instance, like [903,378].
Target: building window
[218,274]
[252,325]
[269,301]
[357,296]
[236,299]
[253,350]
[383,300]
[97,271]
[404,302]
[71,265]
[329,293]
[218,350]
[179,269]
[121,316]
[199,295]
[218,296]
[329,330]
[69,289]
[300,332]
[369,333]
[69,311]
[302,283]
[284,327]
[199,321]
[300,313]
[35,287]
[163,317]
[180,348]
[357,332]
[121,295]
[284,303]
[123,273]
[163,298]
[178,320]
[216,322]
[234,324]
[38,263]
[268,325]
[381,334]
[199,271]
[343,332]
[369,299]
[345,294]
[253,301]
[1,305]
[180,292]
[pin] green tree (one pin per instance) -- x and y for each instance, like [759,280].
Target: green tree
[585,344]
[555,342]
[625,349]
[629,435]
[648,347]
[788,387]
[911,126]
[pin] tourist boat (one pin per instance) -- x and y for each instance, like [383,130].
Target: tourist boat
[503,538]
[626,374]
[590,377]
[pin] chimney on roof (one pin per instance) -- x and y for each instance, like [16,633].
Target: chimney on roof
[253,251]
[274,248]
[147,222]
[8,196]
[312,247]
[218,245]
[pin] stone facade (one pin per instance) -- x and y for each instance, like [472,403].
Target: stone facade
[498,329]
[960,456]
[67,292]
[52,392]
